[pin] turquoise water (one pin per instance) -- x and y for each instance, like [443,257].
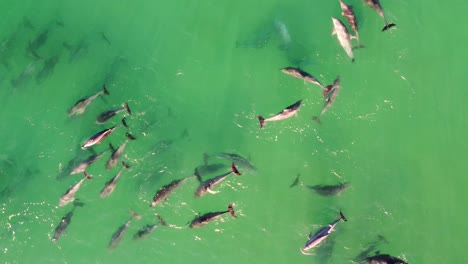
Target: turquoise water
[196,75]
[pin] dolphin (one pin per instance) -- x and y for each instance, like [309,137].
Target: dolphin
[324,190]
[286,113]
[375,4]
[148,229]
[101,135]
[38,42]
[77,51]
[384,259]
[110,185]
[283,33]
[330,93]
[348,13]
[25,76]
[84,164]
[120,232]
[238,159]
[164,191]
[105,116]
[370,247]
[299,73]
[116,153]
[66,219]
[207,185]
[330,190]
[69,195]
[343,36]
[80,106]
[47,69]
[208,217]
[321,235]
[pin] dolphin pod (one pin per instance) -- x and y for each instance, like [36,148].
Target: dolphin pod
[172,186]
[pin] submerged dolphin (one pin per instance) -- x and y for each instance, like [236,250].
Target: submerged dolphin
[237,159]
[299,73]
[286,113]
[343,36]
[119,234]
[208,217]
[348,13]
[384,259]
[375,4]
[324,190]
[148,229]
[66,219]
[69,195]
[105,116]
[207,185]
[321,235]
[47,69]
[283,33]
[84,164]
[330,93]
[101,135]
[80,106]
[164,192]
[110,185]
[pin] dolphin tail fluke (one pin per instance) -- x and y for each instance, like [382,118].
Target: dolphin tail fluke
[342,217]
[205,158]
[124,123]
[197,175]
[104,89]
[125,165]
[261,120]
[296,181]
[234,170]
[130,136]
[128,108]
[111,147]
[317,119]
[231,210]
[388,25]
[87,175]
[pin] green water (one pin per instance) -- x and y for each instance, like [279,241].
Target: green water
[394,132]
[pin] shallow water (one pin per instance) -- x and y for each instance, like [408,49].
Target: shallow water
[196,75]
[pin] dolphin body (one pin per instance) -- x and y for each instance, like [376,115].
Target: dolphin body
[206,186]
[105,116]
[321,235]
[101,135]
[299,73]
[110,185]
[286,113]
[66,220]
[324,190]
[375,4]
[330,93]
[348,13]
[166,190]
[69,195]
[116,153]
[237,159]
[80,106]
[47,69]
[148,229]
[84,164]
[330,190]
[384,259]
[343,37]
[209,217]
[120,232]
